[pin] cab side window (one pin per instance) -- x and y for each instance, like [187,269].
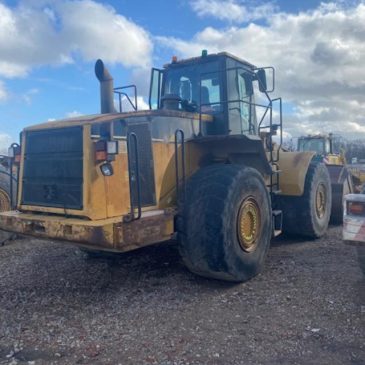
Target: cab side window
[244,104]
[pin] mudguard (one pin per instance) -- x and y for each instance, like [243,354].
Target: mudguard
[293,167]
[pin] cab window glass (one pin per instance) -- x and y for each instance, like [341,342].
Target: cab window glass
[244,104]
[101,130]
[119,128]
[197,85]
[212,87]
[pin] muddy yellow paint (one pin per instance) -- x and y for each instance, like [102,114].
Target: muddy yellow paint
[294,167]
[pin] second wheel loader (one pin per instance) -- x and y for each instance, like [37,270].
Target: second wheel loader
[335,161]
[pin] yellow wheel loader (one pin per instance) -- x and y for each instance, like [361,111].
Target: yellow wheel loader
[358,177]
[341,176]
[199,165]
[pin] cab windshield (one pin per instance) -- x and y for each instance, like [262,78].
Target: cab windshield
[195,86]
[312,144]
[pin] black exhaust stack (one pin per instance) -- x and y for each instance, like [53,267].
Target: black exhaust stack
[106,88]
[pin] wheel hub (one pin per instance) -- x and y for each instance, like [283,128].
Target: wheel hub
[248,226]
[321,199]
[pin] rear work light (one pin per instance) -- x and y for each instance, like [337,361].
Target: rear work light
[105,150]
[356,208]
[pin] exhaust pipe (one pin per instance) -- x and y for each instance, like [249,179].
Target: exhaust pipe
[106,88]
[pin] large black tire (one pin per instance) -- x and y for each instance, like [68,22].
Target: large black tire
[216,199]
[4,191]
[300,214]
[338,192]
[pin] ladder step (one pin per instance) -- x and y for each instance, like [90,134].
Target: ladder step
[277,222]
[276,192]
[277,232]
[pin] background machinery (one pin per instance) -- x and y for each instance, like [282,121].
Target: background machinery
[8,182]
[4,190]
[331,151]
[199,164]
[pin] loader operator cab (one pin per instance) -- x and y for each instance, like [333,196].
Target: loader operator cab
[319,144]
[323,145]
[220,85]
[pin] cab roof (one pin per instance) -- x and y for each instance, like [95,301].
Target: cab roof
[208,57]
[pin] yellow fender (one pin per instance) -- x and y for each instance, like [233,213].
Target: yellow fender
[293,167]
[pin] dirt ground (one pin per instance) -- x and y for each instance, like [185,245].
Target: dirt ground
[57,306]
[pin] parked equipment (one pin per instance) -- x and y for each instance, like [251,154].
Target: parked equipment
[8,180]
[199,163]
[341,178]
[357,171]
[353,231]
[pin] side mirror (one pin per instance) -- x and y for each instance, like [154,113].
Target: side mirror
[261,78]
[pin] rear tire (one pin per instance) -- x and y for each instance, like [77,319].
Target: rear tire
[337,203]
[308,215]
[226,224]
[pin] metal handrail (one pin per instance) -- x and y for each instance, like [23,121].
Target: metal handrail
[131,217]
[122,93]
[182,141]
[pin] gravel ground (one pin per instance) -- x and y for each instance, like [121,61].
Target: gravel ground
[57,306]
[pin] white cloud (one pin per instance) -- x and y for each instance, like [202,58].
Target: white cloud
[39,33]
[73,114]
[231,10]
[3,92]
[29,94]
[5,141]
[142,105]
[224,10]
[319,58]
[127,106]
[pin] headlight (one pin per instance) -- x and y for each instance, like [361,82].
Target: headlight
[106,169]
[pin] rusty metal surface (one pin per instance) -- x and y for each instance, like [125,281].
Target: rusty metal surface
[107,234]
[145,231]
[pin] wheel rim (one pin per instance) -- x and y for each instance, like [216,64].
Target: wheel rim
[249,222]
[321,199]
[4,201]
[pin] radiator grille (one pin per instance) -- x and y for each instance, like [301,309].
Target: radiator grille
[53,168]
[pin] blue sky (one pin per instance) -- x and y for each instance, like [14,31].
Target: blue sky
[48,49]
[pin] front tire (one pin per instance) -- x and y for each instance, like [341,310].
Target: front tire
[226,223]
